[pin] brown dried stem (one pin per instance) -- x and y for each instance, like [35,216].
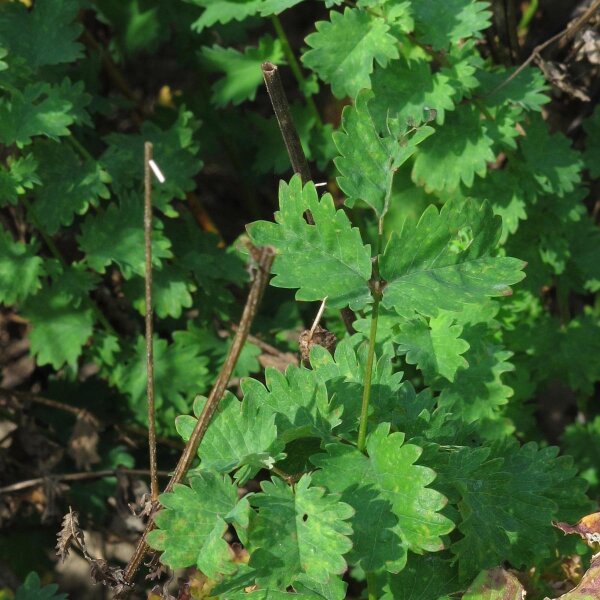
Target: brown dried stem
[566,34]
[291,139]
[149,314]
[28,483]
[286,121]
[265,260]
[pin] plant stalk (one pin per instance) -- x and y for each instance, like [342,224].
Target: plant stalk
[259,284]
[295,66]
[364,410]
[148,151]
[284,117]
[371,586]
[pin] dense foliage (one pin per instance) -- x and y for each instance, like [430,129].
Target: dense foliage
[457,226]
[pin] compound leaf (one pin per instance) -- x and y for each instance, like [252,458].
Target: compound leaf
[508,499]
[444,261]
[446,23]
[299,531]
[406,89]
[179,372]
[495,584]
[368,160]
[343,50]
[69,185]
[459,150]
[175,151]
[299,400]
[224,11]
[395,510]
[241,435]
[116,235]
[591,155]
[208,504]
[242,74]
[62,319]
[40,109]
[554,165]
[20,269]
[434,346]
[51,24]
[32,589]
[425,577]
[324,259]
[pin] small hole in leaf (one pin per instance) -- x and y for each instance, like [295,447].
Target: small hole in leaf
[305,518]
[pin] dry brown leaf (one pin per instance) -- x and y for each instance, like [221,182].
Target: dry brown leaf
[588,528]
[589,586]
[83,443]
[319,337]
[69,533]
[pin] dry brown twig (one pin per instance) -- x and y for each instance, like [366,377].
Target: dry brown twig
[263,268]
[148,150]
[567,33]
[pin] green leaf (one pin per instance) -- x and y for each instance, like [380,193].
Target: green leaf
[224,11]
[344,376]
[435,347]
[275,7]
[477,393]
[368,161]
[442,24]
[116,235]
[20,176]
[495,584]
[241,435]
[445,262]
[344,48]
[459,150]
[32,590]
[175,151]
[179,372]
[51,24]
[40,109]
[20,269]
[324,259]
[526,90]
[171,291]
[298,531]
[299,400]
[507,499]
[69,185]
[395,511]
[61,318]
[591,154]
[582,442]
[242,70]
[424,578]
[554,165]
[204,509]
[406,89]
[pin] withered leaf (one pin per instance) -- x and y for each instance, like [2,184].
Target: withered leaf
[588,528]
[495,584]
[70,532]
[319,337]
[589,586]
[83,443]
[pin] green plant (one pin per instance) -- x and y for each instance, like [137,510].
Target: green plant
[411,452]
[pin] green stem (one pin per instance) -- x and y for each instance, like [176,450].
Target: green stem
[364,411]
[527,16]
[371,586]
[80,148]
[294,66]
